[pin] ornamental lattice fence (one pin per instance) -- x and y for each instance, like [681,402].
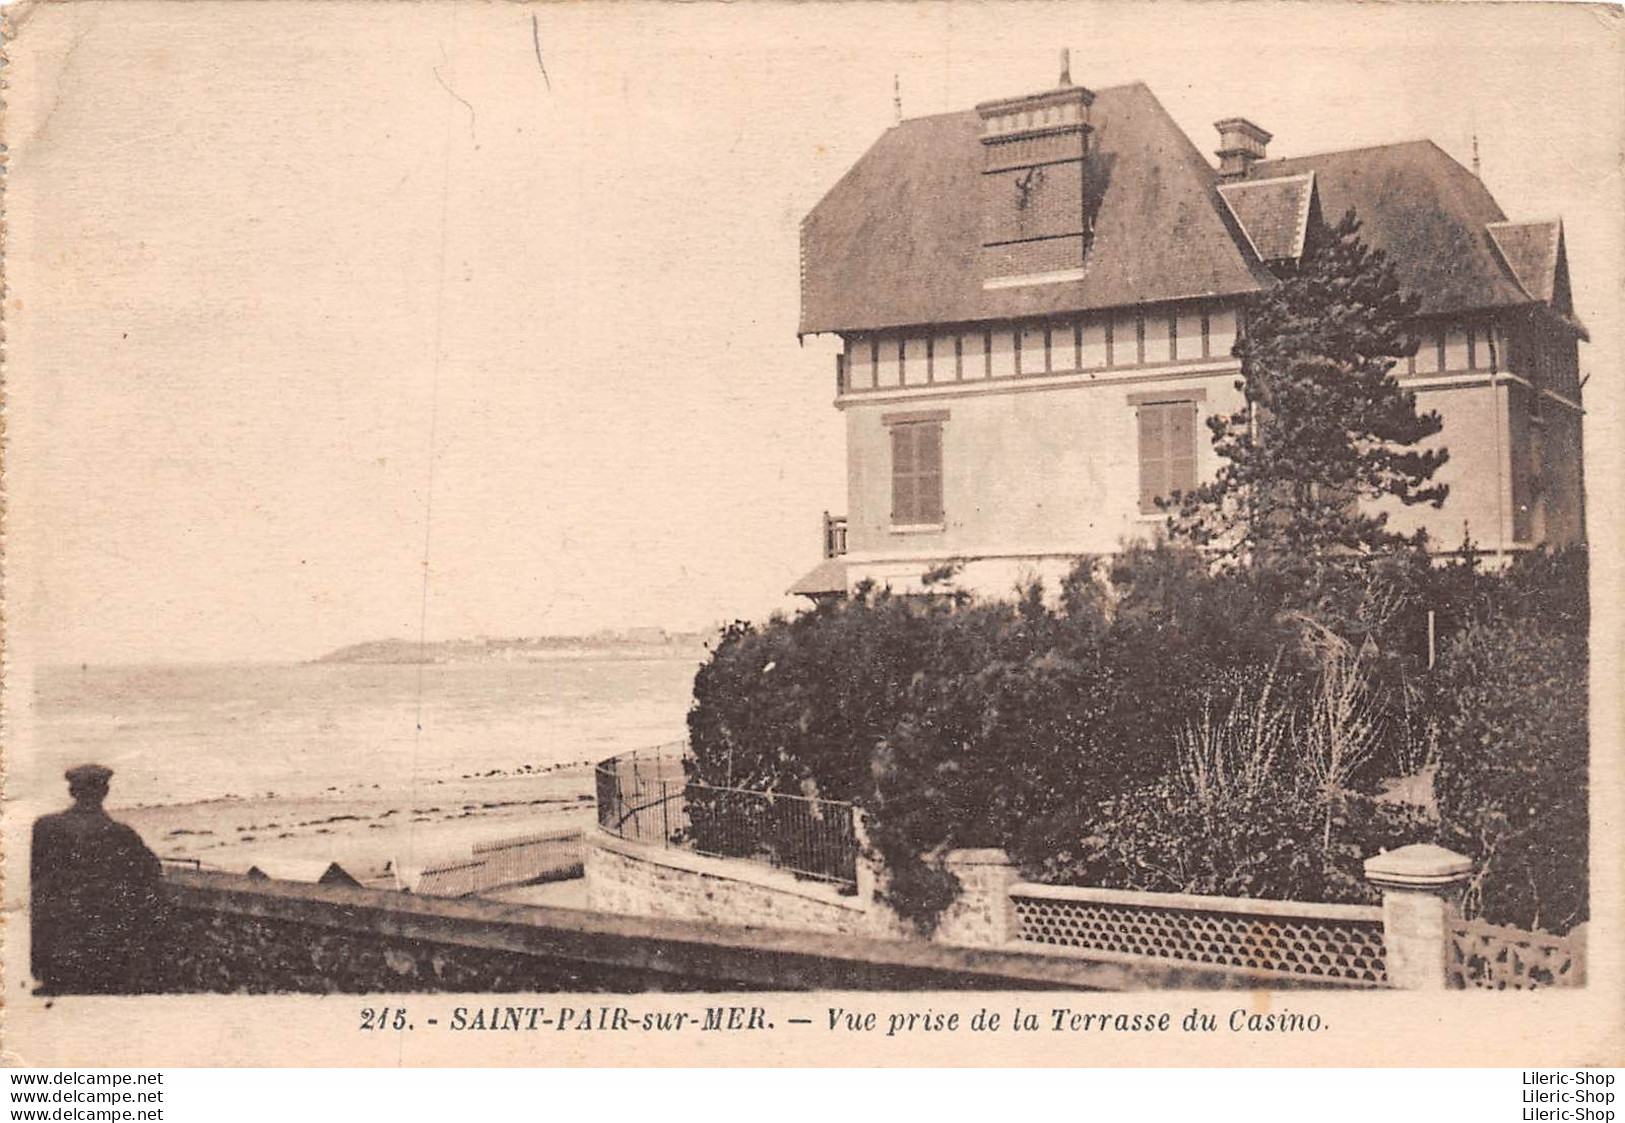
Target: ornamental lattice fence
[1340,945]
[1492,957]
[645,798]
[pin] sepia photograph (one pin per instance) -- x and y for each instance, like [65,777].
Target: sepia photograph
[632,500]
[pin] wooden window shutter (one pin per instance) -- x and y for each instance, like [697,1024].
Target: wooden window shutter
[902,474]
[928,472]
[916,473]
[1153,456]
[1181,447]
[1167,451]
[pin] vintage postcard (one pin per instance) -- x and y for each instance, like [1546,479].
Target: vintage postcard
[956,533]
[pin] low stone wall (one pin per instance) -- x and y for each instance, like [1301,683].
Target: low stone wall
[1413,941]
[228,951]
[228,933]
[638,879]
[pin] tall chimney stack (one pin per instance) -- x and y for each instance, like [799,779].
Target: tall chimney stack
[1034,224]
[1241,144]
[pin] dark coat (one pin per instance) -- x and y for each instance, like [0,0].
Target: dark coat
[95,904]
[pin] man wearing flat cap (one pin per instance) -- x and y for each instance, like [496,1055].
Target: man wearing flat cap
[95,895]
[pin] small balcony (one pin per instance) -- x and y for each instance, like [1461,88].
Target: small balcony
[828,578]
[834,535]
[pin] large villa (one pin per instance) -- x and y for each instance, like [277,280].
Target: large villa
[1038,298]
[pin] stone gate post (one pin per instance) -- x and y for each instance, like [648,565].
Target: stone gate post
[1421,890]
[984,915]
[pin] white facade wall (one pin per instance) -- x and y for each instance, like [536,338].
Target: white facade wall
[1033,470]
[1040,441]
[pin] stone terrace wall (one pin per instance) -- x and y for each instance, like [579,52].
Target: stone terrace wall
[229,952]
[643,880]
[227,933]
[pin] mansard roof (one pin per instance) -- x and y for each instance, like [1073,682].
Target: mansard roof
[895,242]
[1426,211]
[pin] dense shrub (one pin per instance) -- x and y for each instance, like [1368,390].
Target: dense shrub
[1123,733]
[955,724]
[1258,807]
[1384,606]
[943,720]
[1512,783]
[1276,843]
[1166,628]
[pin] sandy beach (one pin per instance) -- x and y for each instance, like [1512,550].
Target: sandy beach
[366,827]
[379,767]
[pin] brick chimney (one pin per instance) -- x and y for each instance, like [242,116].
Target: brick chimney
[1034,226]
[1241,143]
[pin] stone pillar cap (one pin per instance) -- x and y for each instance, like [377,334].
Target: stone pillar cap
[1421,865]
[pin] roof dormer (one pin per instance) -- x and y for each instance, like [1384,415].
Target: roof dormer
[1274,215]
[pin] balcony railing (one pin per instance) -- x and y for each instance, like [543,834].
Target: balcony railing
[834,535]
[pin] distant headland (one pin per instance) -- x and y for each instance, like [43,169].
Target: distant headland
[632,643]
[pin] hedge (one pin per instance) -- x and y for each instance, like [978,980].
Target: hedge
[1064,728]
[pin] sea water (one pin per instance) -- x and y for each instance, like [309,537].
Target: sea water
[183,733]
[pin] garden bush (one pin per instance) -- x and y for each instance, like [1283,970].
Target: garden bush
[1512,784]
[1258,806]
[1160,726]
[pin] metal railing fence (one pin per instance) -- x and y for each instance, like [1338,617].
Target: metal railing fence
[645,798]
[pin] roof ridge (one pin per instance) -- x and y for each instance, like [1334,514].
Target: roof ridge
[1323,153]
[1556,220]
[1271,182]
[931,117]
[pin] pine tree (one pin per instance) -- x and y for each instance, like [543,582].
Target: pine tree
[1326,429]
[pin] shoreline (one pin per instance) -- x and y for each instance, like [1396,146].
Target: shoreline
[366,830]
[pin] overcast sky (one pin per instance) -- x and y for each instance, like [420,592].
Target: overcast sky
[274,266]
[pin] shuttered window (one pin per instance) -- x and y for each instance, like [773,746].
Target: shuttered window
[1167,451]
[916,473]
